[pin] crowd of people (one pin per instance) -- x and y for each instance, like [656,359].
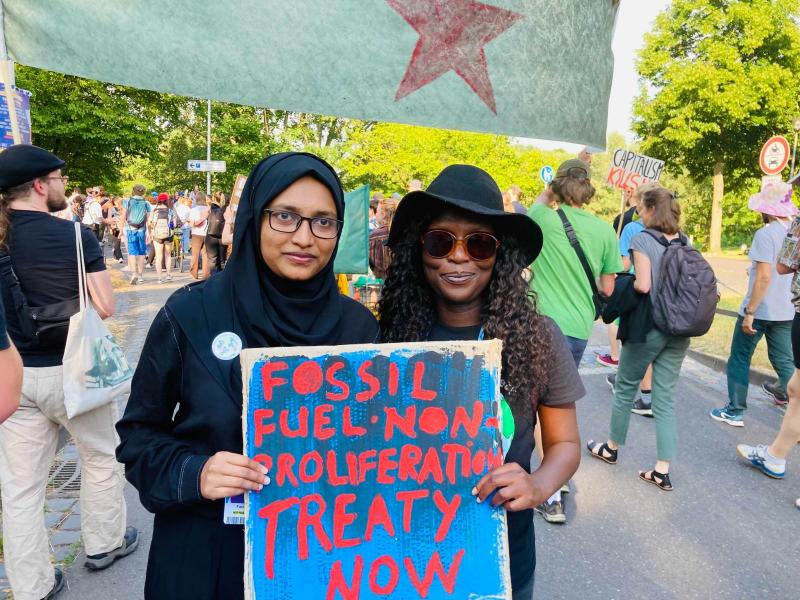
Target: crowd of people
[156,228]
[459,260]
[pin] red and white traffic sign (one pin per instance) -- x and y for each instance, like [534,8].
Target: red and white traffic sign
[774,155]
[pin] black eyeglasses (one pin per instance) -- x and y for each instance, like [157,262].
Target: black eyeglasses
[439,243]
[286,221]
[577,173]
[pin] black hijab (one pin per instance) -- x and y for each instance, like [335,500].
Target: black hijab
[248,299]
[268,310]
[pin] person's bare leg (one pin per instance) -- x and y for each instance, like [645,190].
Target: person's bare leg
[159,250]
[613,342]
[789,433]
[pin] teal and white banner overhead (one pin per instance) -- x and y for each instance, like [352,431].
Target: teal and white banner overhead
[529,68]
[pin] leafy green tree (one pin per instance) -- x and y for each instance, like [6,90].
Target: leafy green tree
[719,77]
[386,156]
[93,125]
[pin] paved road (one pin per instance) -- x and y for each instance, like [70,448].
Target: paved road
[731,274]
[726,532]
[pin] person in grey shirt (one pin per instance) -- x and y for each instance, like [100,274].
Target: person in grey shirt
[767,309]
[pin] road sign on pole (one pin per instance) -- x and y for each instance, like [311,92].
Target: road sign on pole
[546,174]
[774,155]
[213,166]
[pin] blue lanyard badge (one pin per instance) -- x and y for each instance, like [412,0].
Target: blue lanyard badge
[234,510]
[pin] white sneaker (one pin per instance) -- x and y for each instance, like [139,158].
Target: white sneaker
[160,280]
[133,280]
[758,458]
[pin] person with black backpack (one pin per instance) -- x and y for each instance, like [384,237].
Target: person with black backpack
[683,293]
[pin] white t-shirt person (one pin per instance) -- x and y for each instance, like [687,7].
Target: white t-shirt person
[93,214]
[198,213]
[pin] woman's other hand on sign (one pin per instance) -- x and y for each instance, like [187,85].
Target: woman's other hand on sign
[515,489]
[227,474]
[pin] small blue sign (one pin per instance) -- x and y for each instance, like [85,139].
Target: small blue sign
[546,174]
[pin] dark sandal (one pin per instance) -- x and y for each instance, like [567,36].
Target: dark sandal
[599,450]
[659,479]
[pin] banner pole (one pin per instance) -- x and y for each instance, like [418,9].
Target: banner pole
[208,148]
[7,78]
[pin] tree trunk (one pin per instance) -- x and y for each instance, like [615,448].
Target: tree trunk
[715,235]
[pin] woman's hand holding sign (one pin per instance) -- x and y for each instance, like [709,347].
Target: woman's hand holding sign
[227,474]
[515,489]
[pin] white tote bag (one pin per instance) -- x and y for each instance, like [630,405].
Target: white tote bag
[95,368]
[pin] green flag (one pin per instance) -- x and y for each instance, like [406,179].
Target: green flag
[353,253]
[530,68]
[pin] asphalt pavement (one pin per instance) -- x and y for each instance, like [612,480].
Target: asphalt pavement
[725,532]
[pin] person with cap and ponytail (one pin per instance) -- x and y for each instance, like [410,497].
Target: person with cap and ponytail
[457,274]
[181,435]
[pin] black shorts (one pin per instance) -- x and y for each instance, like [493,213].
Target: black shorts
[796,340]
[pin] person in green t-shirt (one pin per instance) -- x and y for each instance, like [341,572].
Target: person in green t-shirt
[560,282]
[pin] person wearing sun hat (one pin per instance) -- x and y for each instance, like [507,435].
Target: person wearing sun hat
[766,310]
[456,274]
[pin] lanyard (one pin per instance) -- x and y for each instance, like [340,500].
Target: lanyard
[480,335]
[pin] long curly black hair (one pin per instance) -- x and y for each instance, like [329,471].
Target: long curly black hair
[407,310]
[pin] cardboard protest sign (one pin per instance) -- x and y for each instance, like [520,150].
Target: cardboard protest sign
[629,170]
[238,186]
[373,451]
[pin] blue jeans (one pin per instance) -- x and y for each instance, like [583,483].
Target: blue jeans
[577,348]
[186,233]
[779,351]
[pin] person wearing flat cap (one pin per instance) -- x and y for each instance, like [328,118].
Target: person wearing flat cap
[564,288]
[39,271]
[457,275]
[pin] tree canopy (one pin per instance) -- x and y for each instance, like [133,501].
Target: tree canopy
[719,77]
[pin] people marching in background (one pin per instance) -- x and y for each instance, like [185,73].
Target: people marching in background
[215,250]
[135,212]
[634,226]
[565,290]
[198,218]
[647,344]
[767,310]
[770,459]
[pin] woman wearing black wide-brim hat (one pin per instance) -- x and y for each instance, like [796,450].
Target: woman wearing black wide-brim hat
[457,275]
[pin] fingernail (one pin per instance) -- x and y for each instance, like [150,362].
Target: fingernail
[478,499]
[264,470]
[267,480]
[259,487]
[474,491]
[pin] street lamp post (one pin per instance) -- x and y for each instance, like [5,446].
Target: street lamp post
[796,127]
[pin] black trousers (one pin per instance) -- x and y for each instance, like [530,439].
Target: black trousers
[215,253]
[195,558]
[117,244]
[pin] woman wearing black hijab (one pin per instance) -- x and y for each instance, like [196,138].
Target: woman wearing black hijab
[278,289]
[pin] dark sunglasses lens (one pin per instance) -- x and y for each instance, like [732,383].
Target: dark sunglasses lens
[437,244]
[481,246]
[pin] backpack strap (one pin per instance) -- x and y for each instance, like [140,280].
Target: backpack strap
[576,245]
[661,238]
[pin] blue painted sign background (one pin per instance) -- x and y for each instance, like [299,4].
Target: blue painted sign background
[373,452]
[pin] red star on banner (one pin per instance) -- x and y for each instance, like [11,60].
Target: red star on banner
[452,34]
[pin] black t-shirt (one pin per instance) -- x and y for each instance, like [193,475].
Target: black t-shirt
[627,217]
[44,257]
[4,345]
[564,387]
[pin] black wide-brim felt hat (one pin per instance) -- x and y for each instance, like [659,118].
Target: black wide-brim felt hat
[471,190]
